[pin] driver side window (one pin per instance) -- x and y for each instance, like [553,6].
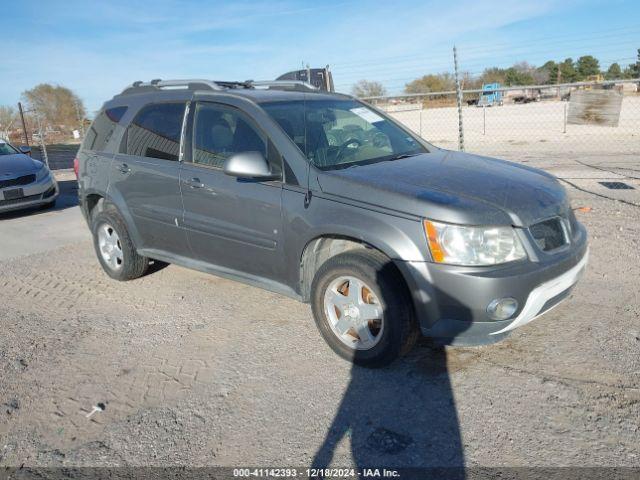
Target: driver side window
[222,131]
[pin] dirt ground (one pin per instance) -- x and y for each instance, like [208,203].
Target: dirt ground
[195,370]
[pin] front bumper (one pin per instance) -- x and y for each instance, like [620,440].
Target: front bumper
[547,295]
[450,302]
[35,194]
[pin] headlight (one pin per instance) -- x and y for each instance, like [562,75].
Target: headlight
[42,173]
[462,245]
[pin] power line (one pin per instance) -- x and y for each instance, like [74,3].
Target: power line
[596,35]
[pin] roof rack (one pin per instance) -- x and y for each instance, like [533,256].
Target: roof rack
[199,84]
[157,84]
[285,85]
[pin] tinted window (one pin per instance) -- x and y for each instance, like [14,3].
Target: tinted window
[340,133]
[155,131]
[222,131]
[102,128]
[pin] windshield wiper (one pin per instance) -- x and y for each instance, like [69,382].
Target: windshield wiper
[345,166]
[400,156]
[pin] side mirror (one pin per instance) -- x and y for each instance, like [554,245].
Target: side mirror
[249,165]
[25,149]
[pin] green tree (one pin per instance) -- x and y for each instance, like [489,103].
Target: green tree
[568,72]
[633,70]
[440,82]
[587,66]
[614,72]
[514,76]
[550,69]
[366,88]
[56,104]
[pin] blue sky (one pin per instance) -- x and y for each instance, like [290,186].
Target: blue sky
[97,48]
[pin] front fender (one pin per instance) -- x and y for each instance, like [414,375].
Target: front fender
[401,238]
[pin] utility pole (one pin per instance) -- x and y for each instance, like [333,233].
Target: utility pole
[459,101]
[24,125]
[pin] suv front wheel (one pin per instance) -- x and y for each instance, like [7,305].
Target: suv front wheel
[362,308]
[114,247]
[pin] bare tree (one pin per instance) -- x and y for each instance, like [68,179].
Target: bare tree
[7,119]
[56,105]
[366,88]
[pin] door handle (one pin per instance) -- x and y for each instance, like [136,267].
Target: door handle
[194,183]
[124,168]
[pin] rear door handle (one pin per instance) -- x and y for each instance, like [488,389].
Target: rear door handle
[124,168]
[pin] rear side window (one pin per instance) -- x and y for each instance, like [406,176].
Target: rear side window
[102,129]
[155,131]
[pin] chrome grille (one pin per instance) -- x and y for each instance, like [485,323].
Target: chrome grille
[16,182]
[549,234]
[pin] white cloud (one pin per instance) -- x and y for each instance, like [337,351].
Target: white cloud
[96,50]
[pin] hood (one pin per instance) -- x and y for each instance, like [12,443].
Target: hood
[453,187]
[17,164]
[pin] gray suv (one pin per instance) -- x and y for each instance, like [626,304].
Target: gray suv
[325,199]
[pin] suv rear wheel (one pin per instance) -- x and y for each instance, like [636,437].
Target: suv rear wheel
[362,308]
[114,247]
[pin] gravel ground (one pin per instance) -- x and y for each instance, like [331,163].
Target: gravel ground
[196,370]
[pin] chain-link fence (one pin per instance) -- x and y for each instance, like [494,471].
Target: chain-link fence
[584,117]
[56,147]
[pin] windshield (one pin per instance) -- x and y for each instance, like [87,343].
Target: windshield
[342,133]
[6,149]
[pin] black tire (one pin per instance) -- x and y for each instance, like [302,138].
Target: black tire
[133,265]
[378,272]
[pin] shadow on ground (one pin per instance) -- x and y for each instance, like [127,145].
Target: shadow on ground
[403,415]
[400,416]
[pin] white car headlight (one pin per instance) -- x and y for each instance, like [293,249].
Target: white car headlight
[471,246]
[42,173]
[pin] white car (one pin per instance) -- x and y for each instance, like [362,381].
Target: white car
[24,182]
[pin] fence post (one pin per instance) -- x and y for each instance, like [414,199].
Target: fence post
[80,118]
[459,101]
[564,117]
[484,119]
[43,147]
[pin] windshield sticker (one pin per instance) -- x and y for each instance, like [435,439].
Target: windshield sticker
[367,114]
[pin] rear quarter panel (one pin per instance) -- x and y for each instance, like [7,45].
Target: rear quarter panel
[94,166]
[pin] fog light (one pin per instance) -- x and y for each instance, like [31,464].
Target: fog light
[502,308]
[49,192]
